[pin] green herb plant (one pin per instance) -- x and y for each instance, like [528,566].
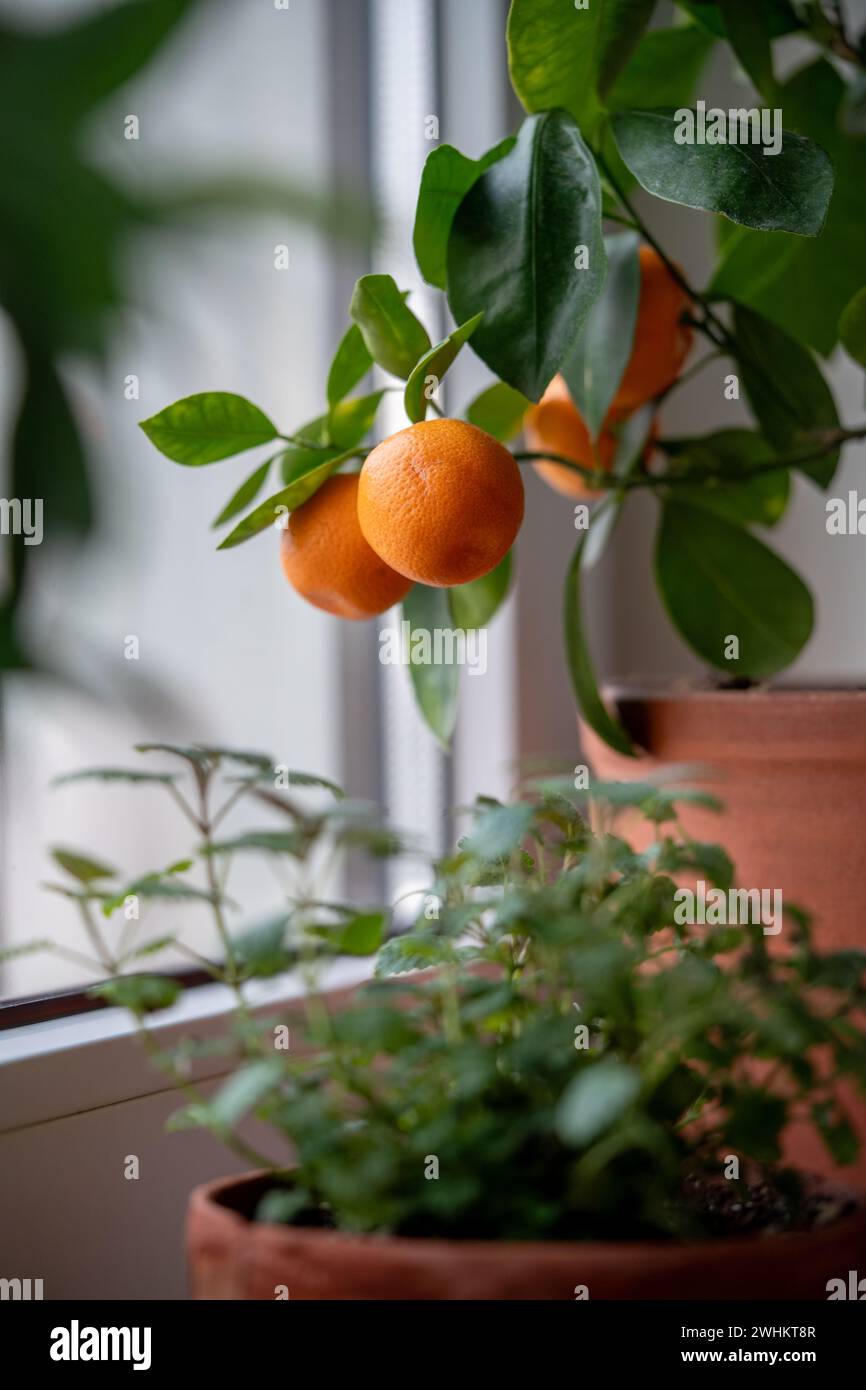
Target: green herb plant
[544,1053]
[498,236]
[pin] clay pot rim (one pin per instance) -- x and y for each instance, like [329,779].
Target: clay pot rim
[206,1198]
[654,689]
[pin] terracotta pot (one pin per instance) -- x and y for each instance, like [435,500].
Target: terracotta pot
[231,1257]
[790,767]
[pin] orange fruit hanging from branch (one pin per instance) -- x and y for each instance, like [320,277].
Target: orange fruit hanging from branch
[662,338]
[441,502]
[327,560]
[555,423]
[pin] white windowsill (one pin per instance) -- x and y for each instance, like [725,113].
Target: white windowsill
[70,1065]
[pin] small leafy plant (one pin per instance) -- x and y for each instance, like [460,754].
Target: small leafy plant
[536,247]
[546,1052]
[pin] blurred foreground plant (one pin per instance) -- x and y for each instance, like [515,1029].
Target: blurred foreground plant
[571,1061]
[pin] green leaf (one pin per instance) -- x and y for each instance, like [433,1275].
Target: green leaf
[499,410]
[113,774]
[308,479]
[245,494]
[351,420]
[351,363]
[446,178]
[497,833]
[559,55]
[26,948]
[245,1090]
[474,604]
[362,935]
[427,375]
[281,1205]
[761,499]
[595,1099]
[512,253]
[272,841]
[392,334]
[837,1132]
[260,949]
[786,390]
[717,581]
[754,1125]
[143,994]
[663,69]
[803,284]
[403,953]
[787,192]
[852,328]
[210,426]
[594,368]
[84,869]
[748,31]
[580,665]
[435,686]
[308,779]
[159,886]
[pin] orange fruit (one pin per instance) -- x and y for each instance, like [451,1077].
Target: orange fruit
[326,559]
[555,423]
[661,340]
[441,501]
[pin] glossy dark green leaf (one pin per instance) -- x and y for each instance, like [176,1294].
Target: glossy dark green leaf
[427,375]
[852,328]
[786,390]
[435,686]
[351,362]
[81,867]
[473,605]
[718,581]
[393,336]
[580,666]
[594,367]
[729,454]
[207,427]
[512,253]
[499,410]
[562,55]
[446,178]
[246,493]
[803,284]
[789,191]
[663,69]
[748,31]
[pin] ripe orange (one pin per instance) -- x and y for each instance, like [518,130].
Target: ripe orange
[661,341]
[555,423]
[441,501]
[325,557]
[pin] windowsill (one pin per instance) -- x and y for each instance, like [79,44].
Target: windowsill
[66,1066]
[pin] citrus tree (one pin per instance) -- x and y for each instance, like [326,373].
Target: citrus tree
[556,280]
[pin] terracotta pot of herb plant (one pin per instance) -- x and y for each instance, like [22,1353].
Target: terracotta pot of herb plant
[231,1256]
[552,1073]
